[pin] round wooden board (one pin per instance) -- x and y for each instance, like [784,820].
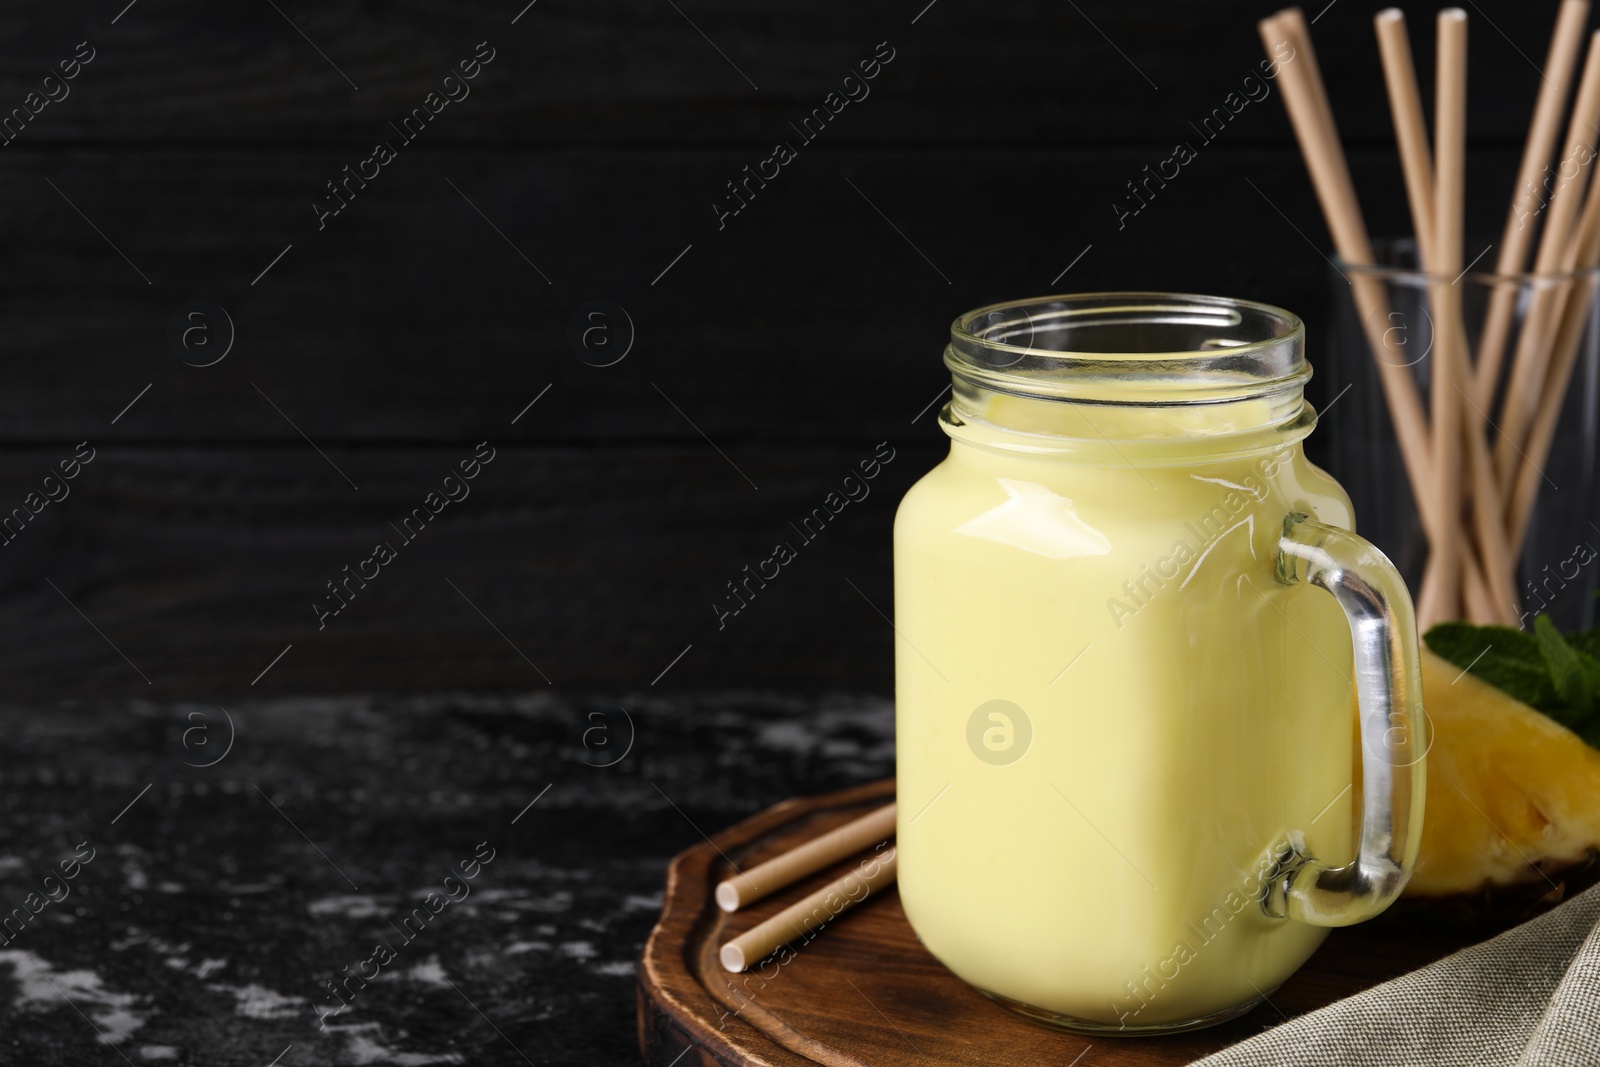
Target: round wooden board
[866,992]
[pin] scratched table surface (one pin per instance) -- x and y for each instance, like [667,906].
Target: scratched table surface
[209,907]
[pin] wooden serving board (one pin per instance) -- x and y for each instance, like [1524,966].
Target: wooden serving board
[866,992]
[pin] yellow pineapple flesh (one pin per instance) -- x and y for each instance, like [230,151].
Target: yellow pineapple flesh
[1513,796]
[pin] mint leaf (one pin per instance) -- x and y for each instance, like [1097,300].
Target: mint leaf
[1508,659]
[1575,674]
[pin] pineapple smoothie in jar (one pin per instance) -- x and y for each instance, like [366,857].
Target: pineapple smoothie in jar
[1123,693]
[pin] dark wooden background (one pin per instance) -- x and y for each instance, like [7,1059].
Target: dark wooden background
[984,162]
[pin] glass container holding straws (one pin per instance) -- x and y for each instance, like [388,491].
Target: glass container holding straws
[1552,514]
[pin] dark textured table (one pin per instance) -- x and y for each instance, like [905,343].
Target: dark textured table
[221,901]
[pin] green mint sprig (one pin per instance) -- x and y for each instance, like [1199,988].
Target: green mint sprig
[1557,673]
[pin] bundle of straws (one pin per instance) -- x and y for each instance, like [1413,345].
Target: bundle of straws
[1474,459]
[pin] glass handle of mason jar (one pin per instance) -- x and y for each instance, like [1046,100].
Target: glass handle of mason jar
[1388,681]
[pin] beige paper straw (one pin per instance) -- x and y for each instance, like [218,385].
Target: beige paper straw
[1492,542]
[780,871]
[821,907]
[1410,128]
[1449,340]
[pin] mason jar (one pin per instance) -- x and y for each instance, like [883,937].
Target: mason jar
[1127,709]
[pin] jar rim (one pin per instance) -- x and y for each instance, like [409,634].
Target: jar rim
[1130,347]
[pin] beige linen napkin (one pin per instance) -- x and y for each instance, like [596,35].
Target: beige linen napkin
[1528,998]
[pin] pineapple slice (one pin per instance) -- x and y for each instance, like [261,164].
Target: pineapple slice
[1513,796]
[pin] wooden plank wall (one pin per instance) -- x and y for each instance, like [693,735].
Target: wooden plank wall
[771,351]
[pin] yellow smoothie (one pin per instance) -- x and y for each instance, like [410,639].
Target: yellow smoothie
[1110,714]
